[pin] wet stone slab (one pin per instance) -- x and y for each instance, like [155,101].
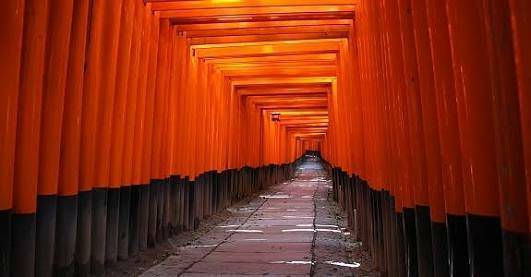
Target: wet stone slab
[251,257]
[250,268]
[264,247]
[292,229]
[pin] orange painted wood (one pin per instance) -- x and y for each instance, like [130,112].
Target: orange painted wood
[91,97]
[430,122]
[445,90]
[396,96]
[178,84]
[175,98]
[121,100]
[522,40]
[109,55]
[29,107]
[475,113]
[132,95]
[245,11]
[140,117]
[54,89]
[508,134]
[150,101]
[11,23]
[180,5]
[71,135]
[418,165]
[160,93]
[164,165]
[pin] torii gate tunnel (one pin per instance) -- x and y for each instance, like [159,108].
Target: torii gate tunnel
[124,122]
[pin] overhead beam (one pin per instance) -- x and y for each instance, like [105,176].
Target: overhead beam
[209,4]
[269,11]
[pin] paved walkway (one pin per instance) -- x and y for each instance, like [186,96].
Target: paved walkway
[290,230]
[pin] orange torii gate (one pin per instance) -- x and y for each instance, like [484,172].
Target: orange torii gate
[123,122]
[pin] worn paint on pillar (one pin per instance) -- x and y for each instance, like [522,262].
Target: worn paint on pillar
[475,116]
[12,22]
[56,63]
[28,135]
[508,135]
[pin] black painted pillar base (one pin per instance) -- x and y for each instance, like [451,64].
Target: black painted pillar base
[113,214]
[84,233]
[484,245]
[5,242]
[180,204]
[423,231]
[225,188]
[516,253]
[65,239]
[186,204]
[401,247]
[153,206]
[99,230]
[123,223]
[439,243]
[196,210]
[134,220]
[457,245]
[23,245]
[191,204]
[205,196]
[215,192]
[174,202]
[410,241]
[143,211]
[45,234]
[199,199]
[160,210]
[165,208]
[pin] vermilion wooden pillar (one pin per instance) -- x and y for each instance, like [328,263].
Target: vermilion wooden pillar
[382,147]
[163,170]
[449,137]
[54,87]
[471,67]
[396,135]
[404,204]
[112,15]
[522,41]
[155,213]
[357,115]
[28,134]
[161,88]
[421,235]
[436,215]
[148,137]
[131,108]
[509,140]
[11,22]
[118,140]
[67,202]
[139,205]
[89,131]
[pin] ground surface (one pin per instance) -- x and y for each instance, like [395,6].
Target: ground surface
[292,229]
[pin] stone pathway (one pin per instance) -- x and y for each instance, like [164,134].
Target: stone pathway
[292,229]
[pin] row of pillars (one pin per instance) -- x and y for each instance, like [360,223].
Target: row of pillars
[432,148]
[80,235]
[92,139]
[408,243]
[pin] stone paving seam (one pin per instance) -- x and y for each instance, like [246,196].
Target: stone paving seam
[223,241]
[312,267]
